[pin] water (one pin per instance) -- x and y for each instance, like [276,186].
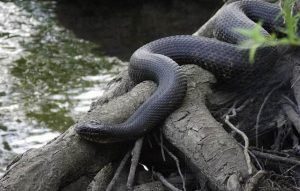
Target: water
[48,77]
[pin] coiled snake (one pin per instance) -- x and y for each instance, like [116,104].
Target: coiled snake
[159,61]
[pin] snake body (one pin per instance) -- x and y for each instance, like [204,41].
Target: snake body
[159,61]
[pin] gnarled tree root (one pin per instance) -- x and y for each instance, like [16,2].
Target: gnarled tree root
[69,161]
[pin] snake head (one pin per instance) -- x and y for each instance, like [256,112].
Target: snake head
[95,132]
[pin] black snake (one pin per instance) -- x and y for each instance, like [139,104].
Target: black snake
[159,61]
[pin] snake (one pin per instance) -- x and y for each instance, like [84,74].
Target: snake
[160,61]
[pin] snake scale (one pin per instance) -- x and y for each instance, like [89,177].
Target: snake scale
[160,62]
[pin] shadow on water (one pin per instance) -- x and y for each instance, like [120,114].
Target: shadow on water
[120,27]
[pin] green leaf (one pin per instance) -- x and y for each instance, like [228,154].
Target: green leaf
[257,39]
[252,54]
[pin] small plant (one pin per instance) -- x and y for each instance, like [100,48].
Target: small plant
[257,39]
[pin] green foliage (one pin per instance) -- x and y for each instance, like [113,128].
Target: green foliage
[257,39]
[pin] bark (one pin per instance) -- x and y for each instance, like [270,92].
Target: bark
[208,147]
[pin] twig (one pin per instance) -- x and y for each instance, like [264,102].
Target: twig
[294,105]
[278,153]
[246,140]
[149,141]
[234,109]
[177,179]
[178,166]
[162,145]
[241,107]
[260,111]
[276,158]
[165,182]
[118,172]
[289,169]
[176,161]
[136,152]
[231,111]
[256,160]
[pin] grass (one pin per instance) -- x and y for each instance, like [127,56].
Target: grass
[290,28]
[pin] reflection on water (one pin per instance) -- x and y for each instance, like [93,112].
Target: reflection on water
[47,76]
[120,27]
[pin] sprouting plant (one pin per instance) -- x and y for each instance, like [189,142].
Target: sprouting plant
[257,39]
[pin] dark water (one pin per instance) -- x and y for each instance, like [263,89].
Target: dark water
[56,57]
[120,27]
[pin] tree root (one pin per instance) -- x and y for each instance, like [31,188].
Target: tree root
[136,152]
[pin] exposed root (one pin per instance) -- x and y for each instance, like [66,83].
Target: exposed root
[136,152]
[176,161]
[165,182]
[118,172]
[252,183]
[276,158]
[161,145]
[246,140]
[256,160]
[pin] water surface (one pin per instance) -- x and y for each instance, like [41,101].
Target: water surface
[48,77]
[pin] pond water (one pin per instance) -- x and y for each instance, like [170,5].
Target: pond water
[51,71]
[47,76]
